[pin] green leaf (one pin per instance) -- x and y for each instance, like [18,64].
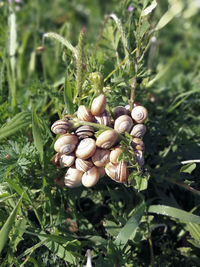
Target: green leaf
[182,215]
[131,226]
[188,168]
[37,134]
[68,95]
[5,230]
[18,122]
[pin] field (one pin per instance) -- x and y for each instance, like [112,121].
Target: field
[58,55]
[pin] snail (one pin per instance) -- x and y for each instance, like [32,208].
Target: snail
[73,177]
[119,111]
[123,124]
[101,171]
[137,144]
[66,160]
[60,126]
[107,139]
[86,148]
[104,119]
[114,154]
[138,130]
[139,157]
[84,114]
[84,131]
[118,172]
[56,159]
[98,105]
[101,157]
[83,165]
[139,114]
[91,177]
[66,143]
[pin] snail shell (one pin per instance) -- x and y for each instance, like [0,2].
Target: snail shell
[83,165]
[107,139]
[73,177]
[123,124]
[114,155]
[56,159]
[139,114]
[101,157]
[84,131]
[138,130]
[86,148]
[91,177]
[98,105]
[66,143]
[119,111]
[101,171]
[118,172]
[139,157]
[60,126]
[137,144]
[84,114]
[66,160]
[104,119]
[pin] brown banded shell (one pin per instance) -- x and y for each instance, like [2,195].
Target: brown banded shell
[86,148]
[123,124]
[73,177]
[67,160]
[138,130]
[119,111]
[137,144]
[98,105]
[114,155]
[84,131]
[101,157]
[104,119]
[56,159]
[83,165]
[60,126]
[91,177]
[107,139]
[139,157]
[118,172]
[139,114]
[84,114]
[66,143]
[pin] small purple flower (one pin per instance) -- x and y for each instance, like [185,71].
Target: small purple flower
[16,1]
[130,8]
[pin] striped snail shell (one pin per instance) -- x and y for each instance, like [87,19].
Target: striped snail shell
[107,139]
[137,144]
[84,131]
[73,177]
[123,124]
[104,119]
[84,114]
[91,177]
[139,114]
[83,165]
[114,154]
[118,172]
[86,148]
[60,126]
[139,157]
[66,143]
[67,160]
[138,130]
[56,159]
[98,105]
[119,111]
[101,157]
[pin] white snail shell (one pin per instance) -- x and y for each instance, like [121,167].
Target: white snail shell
[114,155]
[91,177]
[98,105]
[86,148]
[84,131]
[139,157]
[104,119]
[118,172]
[107,139]
[137,144]
[83,165]
[60,126]
[66,160]
[101,157]
[73,177]
[138,130]
[123,124]
[139,114]
[84,114]
[66,143]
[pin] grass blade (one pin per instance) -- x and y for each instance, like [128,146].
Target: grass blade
[181,215]
[68,95]
[5,230]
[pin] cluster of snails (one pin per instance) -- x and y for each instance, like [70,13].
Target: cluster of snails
[87,157]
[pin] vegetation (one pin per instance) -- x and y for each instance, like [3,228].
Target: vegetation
[148,52]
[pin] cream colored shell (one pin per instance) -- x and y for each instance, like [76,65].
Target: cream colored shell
[107,139]
[60,126]
[139,114]
[86,148]
[66,143]
[83,165]
[138,130]
[114,155]
[84,114]
[101,157]
[123,124]
[67,160]
[98,105]
[91,177]
[73,177]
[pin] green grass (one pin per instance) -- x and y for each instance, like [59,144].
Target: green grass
[154,221]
